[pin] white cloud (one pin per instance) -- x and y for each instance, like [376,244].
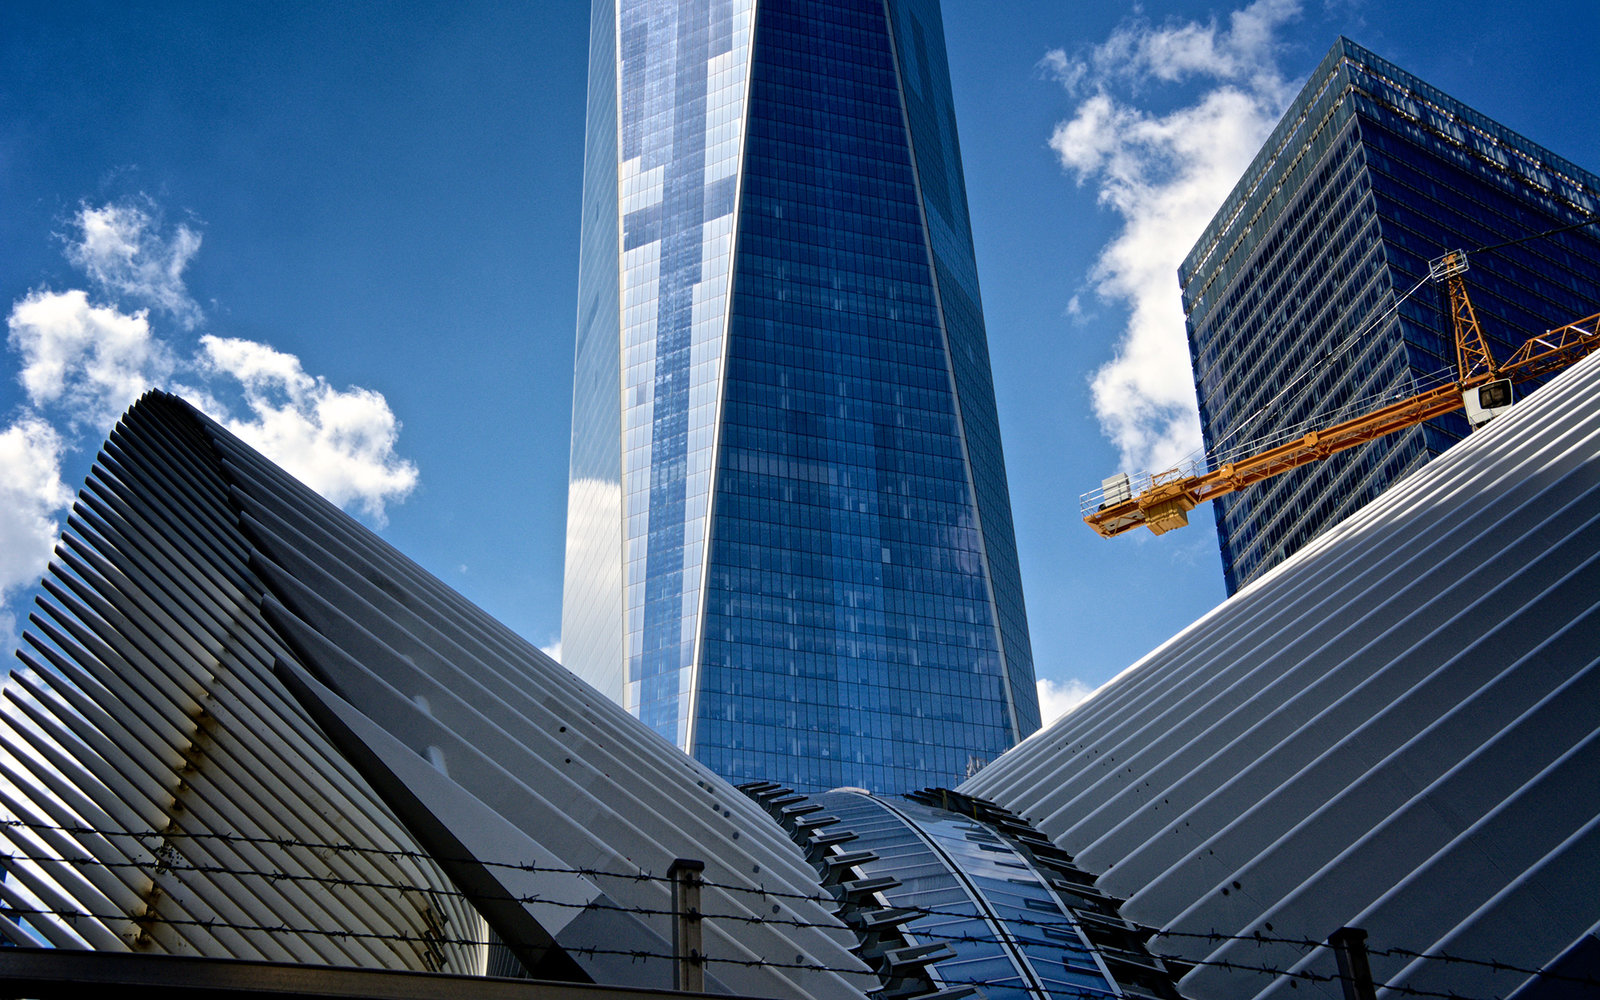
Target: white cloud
[1139,51]
[1165,174]
[86,363]
[90,360]
[1056,700]
[553,650]
[120,247]
[85,355]
[339,442]
[32,495]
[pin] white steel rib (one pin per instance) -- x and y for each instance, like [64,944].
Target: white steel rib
[1397,729]
[165,780]
[162,791]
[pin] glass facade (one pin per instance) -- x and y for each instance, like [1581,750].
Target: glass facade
[1296,295]
[591,606]
[806,571]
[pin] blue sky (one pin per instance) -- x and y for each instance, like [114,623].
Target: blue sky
[350,230]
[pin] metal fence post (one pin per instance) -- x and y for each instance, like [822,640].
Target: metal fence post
[1350,949]
[688,969]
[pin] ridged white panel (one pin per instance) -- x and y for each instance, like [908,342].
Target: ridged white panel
[555,757]
[1396,729]
[162,791]
[151,706]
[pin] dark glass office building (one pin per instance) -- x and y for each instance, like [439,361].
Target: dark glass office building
[1297,294]
[789,543]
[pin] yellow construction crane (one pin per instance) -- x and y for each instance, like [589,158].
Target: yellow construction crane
[1483,388]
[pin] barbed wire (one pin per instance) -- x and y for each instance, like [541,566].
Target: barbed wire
[637,954]
[274,875]
[285,843]
[220,924]
[1392,952]
[163,865]
[641,954]
[825,900]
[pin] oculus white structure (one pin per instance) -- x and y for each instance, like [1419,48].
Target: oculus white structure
[247,728]
[1397,729]
[168,792]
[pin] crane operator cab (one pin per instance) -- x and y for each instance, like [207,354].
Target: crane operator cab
[1487,401]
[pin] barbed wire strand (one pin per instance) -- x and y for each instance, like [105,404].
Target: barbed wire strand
[639,954]
[825,900]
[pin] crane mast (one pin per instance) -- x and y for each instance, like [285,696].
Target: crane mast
[1162,501]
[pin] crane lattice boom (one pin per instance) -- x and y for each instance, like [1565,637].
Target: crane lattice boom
[1164,501]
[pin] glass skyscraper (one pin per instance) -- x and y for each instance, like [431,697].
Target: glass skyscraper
[1296,295]
[789,542]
